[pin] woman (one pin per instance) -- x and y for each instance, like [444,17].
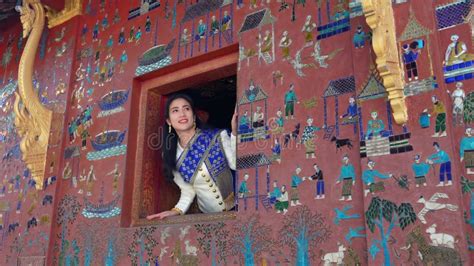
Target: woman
[198,160]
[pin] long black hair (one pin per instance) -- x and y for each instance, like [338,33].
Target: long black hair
[170,138]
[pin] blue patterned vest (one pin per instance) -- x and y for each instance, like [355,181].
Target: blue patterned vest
[206,148]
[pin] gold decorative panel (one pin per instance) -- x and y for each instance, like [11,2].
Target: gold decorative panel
[379,16]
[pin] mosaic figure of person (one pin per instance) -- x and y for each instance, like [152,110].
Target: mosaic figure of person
[138,35]
[420,170]
[458,96]
[185,37]
[308,138]
[281,204]
[82,181]
[318,176]
[105,22]
[276,151]
[67,171]
[187,160]
[201,30]
[347,177]
[439,111]
[375,126]
[116,175]
[307,29]
[359,38]
[368,178]
[252,91]
[351,112]
[226,21]
[410,56]
[131,34]
[116,16]
[290,101]
[148,24]
[244,122]
[442,158]
[121,37]
[285,43]
[456,52]
[95,31]
[110,43]
[466,151]
[296,180]
[90,180]
[123,61]
[214,25]
[84,31]
[275,193]
[279,122]
[266,42]
[258,118]
[243,189]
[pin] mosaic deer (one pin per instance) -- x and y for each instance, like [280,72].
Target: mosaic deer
[182,259]
[430,255]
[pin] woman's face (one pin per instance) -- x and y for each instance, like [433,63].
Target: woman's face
[181,116]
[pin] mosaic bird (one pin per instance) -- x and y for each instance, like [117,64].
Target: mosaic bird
[320,58]
[341,214]
[298,65]
[431,205]
[353,233]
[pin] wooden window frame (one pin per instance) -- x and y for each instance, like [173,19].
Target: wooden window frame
[191,72]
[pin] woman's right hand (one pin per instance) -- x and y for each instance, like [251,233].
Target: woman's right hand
[162,215]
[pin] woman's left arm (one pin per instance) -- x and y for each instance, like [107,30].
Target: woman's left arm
[229,144]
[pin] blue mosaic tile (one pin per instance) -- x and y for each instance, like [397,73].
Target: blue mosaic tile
[452,14]
[334,28]
[356,9]
[459,72]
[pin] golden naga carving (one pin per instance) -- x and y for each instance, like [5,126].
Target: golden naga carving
[71,9]
[380,18]
[32,119]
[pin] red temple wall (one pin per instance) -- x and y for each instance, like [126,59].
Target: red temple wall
[66,232]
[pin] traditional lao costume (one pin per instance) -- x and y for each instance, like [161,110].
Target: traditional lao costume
[204,170]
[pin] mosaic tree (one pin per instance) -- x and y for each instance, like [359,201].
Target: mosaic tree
[285,5]
[68,209]
[469,108]
[116,246]
[467,187]
[303,231]
[251,238]
[17,247]
[213,241]
[103,241]
[91,240]
[381,210]
[143,242]
[27,240]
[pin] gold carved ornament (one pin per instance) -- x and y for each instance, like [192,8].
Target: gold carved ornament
[380,18]
[32,119]
[71,9]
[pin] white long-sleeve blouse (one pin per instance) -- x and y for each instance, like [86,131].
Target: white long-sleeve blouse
[209,197]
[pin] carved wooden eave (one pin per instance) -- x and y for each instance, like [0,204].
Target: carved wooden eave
[32,120]
[380,18]
[71,9]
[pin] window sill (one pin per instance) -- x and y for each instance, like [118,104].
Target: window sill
[189,218]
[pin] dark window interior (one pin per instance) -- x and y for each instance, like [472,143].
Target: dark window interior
[216,98]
